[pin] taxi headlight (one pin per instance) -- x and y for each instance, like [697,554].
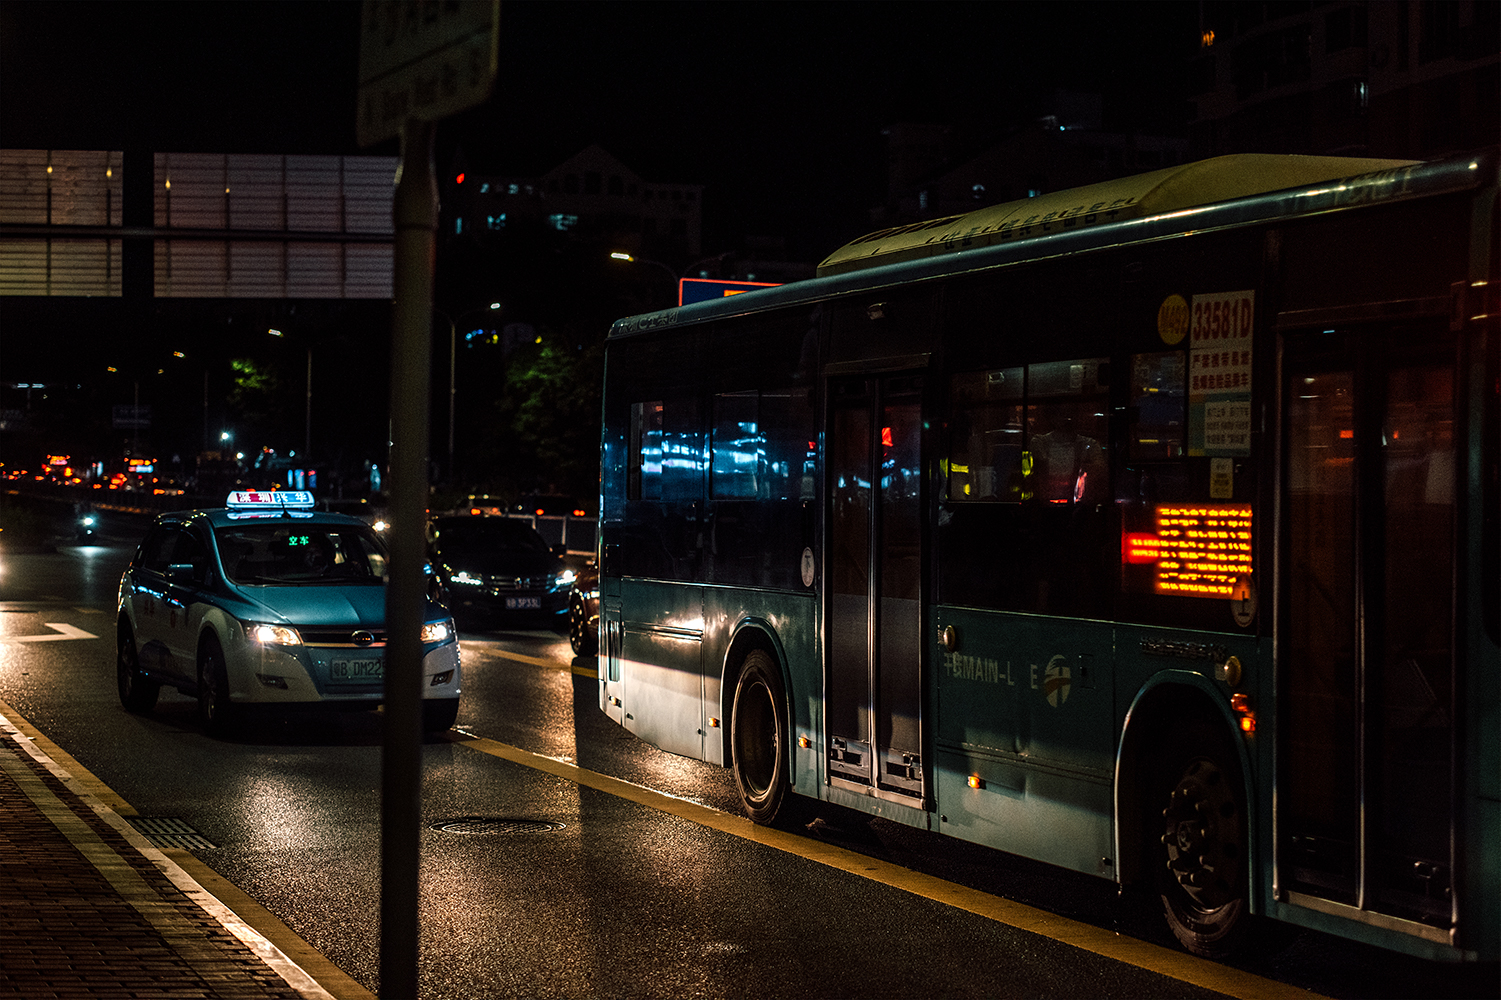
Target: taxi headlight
[272,635]
[435,632]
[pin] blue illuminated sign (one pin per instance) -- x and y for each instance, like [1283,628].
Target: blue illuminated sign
[691,290]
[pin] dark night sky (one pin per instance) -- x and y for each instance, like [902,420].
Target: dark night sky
[776,107]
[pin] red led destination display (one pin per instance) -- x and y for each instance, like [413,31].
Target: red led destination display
[1198,550]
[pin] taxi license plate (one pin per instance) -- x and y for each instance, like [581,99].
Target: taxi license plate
[523,604]
[357,670]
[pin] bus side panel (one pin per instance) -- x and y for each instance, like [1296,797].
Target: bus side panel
[1025,745]
[661,649]
[739,619]
[1030,810]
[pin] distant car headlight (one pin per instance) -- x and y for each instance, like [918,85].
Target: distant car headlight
[467,579]
[565,578]
[380,526]
[272,635]
[435,632]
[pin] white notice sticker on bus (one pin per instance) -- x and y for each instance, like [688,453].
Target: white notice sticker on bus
[1219,373]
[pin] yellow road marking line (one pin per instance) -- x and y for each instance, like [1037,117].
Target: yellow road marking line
[1178,965]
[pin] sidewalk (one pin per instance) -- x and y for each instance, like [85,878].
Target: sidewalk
[88,908]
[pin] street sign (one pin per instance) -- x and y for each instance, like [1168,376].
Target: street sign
[127,417]
[691,290]
[423,61]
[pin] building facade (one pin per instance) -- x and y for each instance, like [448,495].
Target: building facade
[1412,79]
[591,195]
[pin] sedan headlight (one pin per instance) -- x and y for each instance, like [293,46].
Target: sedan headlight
[565,579]
[272,635]
[436,632]
[467,579]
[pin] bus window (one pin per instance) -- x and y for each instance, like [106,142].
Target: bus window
[985,455]
[762,447]
[665,461]
[644,464]
[1157,406]
[739,448]
[1035,437]
[1066,432]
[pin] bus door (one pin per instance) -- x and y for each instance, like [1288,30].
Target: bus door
[1365,793]
[874,522]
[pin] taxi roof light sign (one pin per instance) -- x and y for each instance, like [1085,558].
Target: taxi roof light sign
[269,500]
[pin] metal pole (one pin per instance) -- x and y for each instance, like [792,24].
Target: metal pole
[307,427]
[411,363]
[451,393]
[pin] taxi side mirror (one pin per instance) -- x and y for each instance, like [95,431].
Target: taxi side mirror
[180,572]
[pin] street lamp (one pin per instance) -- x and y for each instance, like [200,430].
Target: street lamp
[628,258]
[452,387]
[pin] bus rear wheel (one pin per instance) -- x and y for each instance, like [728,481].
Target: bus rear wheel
[1203,852]
[759,739]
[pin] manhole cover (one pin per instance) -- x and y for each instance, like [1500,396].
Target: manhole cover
[166,831]
[494,824]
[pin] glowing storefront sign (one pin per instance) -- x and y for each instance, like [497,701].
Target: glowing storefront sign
[1199,550]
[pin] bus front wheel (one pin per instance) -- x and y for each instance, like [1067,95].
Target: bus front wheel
[1203,837]
[758,738]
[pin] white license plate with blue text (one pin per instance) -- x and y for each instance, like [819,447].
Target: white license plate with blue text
[523,604]
[357,670]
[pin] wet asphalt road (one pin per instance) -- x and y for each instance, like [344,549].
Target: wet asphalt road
[536,885]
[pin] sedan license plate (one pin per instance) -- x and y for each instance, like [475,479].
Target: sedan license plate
[523,604]
[357,670]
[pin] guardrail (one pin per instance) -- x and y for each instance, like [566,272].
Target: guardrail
[579,534]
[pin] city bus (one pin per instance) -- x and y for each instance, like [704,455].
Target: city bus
[1148,529]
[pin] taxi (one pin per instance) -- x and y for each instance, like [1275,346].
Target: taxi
[267,602]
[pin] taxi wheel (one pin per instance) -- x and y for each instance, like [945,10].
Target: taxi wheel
[214,709]
[439,716]
[137,694]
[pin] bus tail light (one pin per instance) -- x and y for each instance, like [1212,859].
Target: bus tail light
[1242,705]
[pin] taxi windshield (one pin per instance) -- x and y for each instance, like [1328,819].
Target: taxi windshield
[284,554]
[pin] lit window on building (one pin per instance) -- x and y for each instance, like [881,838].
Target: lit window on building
[516,189]
[484,187]
[562,222]
[495,221]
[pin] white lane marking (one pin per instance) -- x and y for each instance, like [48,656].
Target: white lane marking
[66,632]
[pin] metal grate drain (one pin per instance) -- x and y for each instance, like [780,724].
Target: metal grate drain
[496,824]
[167,831]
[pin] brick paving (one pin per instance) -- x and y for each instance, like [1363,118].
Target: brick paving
[84,913]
